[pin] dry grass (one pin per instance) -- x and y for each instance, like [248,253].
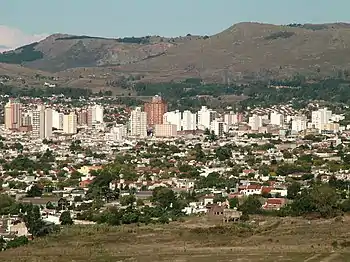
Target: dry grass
[195,240]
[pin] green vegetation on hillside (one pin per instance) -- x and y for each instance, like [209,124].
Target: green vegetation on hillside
[299,92]
[281,34]
[129,40]
[190,94]
[20,55]
[309,26]
[135,40]
[81,37]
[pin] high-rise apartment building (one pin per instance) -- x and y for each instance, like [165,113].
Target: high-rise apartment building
[320,118]
[232,118]
[183,120]
[155,111]
[57,120]
[219,127]
[255,122]
[165,130]
[205,117]
[27,118]
[70,123]
[13,114]
[94,115]
[276,119]
[42,122]
[299,123]
[138,123]
[82,117]
[174,118]
[117,133]
[189,120]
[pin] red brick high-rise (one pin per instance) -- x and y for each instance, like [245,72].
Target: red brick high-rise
[155,111]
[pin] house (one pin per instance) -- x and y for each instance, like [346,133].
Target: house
[250,190]
[207,200]
[274,203]
[18,228]
[40,201]
[85,183]
[231,215]
[226,214]
[215,210]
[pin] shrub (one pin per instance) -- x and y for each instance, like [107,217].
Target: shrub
[281,34]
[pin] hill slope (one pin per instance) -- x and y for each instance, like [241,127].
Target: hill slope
[59,52]
[275,239]
[243,51]
[253,50]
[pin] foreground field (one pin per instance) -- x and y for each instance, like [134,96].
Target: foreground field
[271,239]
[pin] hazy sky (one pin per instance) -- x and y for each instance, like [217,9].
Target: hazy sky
[162,17]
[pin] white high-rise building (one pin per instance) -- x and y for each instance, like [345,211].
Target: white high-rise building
[320,118]
[98,113]
[299,123]
[255,122]
[219,127]
[48,123]
[183,120]
[57,120]
[70,123]
[117,133]
[138,123]
[189,120]
[95,115]
[42,122]
[205,117]
[174,118]
[276,119]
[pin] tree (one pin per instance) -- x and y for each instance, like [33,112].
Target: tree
[223,153]
[251,205]
[163,197]
[293,190]
[233,202]
[17,242]
[66,219]
[32,219]
[127,200]
[2,243]
[321,199]
[35,191]
[6,201]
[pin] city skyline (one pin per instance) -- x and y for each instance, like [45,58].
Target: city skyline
[20,23]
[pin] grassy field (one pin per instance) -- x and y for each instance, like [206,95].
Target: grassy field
[271,239]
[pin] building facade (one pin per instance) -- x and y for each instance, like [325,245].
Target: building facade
[70,123]
[13,114]
[165,130]
[138,123]
[155,111]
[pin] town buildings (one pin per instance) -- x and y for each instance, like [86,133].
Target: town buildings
[42,122]
[155,111]
[165,130]
[70,123]
[13,114]
[138,123]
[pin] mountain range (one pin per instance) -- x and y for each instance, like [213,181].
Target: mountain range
[242,52]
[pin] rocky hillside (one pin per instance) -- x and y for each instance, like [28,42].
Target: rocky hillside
[59,52]
[251,50]
[243,51]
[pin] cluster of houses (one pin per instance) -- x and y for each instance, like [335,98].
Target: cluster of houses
[76,160]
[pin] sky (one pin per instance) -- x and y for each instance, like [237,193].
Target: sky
[35,19]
